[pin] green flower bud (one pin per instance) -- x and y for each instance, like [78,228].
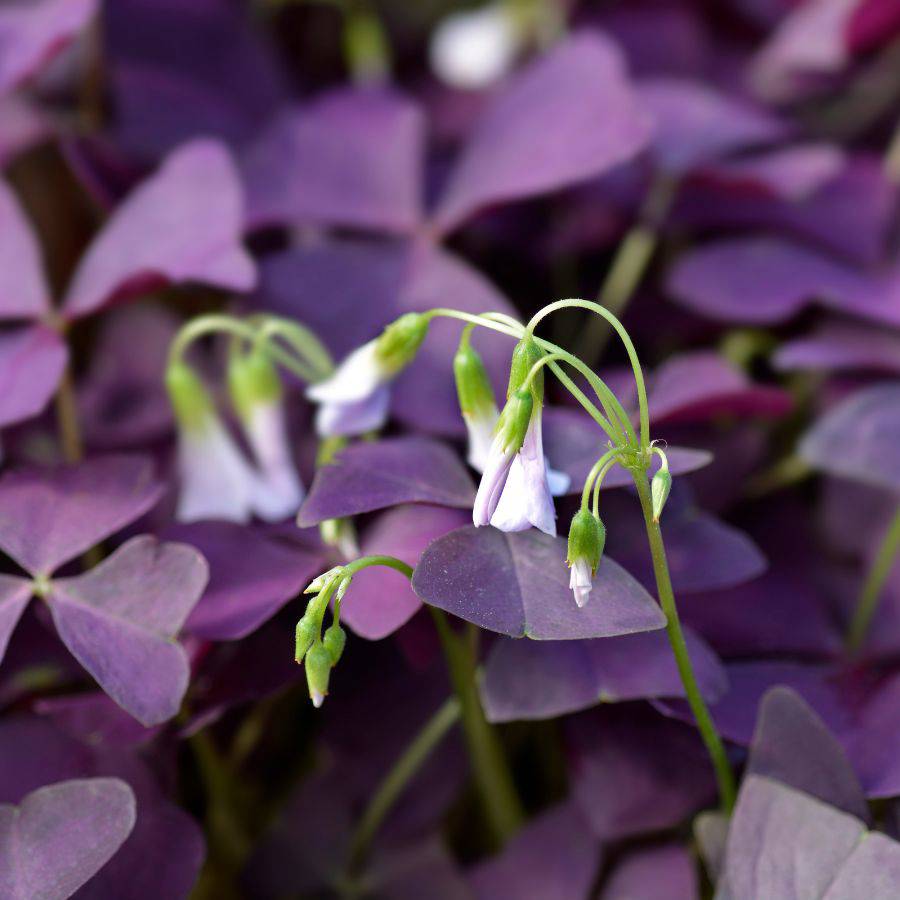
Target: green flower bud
[319,582]
[400,341]
[473,387]
[307,632]
[526,354]
[334,640]
[587,538]
[660,486]
[190,399]
[318,671]
[514,420]
[252,380]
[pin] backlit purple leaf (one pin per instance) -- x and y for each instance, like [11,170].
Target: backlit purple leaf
[353,158]
[667,872]
[31,34]
[381,600]
[93,718]
[120,619]
[858,439]
[518,584]
[792,745]
[50,515]
[14,596]
[694,124]
[764,280]
[554,855]
[621,762]
[369,476]
[24,292]
[701,385]
[839,346]
[32,361]
[181,225]
[783,843]
[543,679]
[251,577]
[570,116]
[364,285]
[61,835]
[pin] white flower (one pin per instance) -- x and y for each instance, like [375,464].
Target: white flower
[280,491]
[581,581]
[480,429]
[525,498]
[472,50]
[355,399]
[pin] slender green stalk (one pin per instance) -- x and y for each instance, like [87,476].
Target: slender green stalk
[600,476]
[482,320]
[870,594]
[492,775]
[711,738]
[594,474]
[69,430]
[399,777]
[629,264]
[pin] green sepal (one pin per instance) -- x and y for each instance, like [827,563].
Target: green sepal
[307,631]
[334,641]
[660,486]
[252,379]
[587,538]
[526,354]
[473,387]
[400,341]
[318,669]
[190,399]
[514,420]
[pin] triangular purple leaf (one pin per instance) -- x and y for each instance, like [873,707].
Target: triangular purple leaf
[32,361]
[663,873]
[49,516]
[24,292]
[570,116]
[61,835]
[369,476]
[119,620]
[518,584]
[184,224]
[543,679]
[14,596]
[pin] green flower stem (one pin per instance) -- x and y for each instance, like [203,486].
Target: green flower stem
[397,779]
[484,320]
[492,774]
[711,738]
[68,428]
[870,594]
[575,303]
[600,476]
[301,339]
[594,474]
[630,263]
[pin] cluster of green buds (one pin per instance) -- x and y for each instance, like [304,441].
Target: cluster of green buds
[319,652]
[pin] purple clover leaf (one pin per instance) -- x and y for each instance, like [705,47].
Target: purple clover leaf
[120,618]
[61,835]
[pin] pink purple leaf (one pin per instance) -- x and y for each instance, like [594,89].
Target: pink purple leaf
[49,516]
[353,158]
[839,346]
[369,476]
[382,600]
[32,361]
[518,584]
[543,679]
[183,224]
[663,873]
[31,34]
[61,835]
[15,593]
[120,619]
[24,292]
[570,116]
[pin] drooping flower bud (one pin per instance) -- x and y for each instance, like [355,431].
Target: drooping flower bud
[306,633]
[400,341]
[512,426]
[189,397]
[525,355]
[334,640]
[587,537]
[318,583]
[252,380]
[318,672]
[660,486]
[476,402]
